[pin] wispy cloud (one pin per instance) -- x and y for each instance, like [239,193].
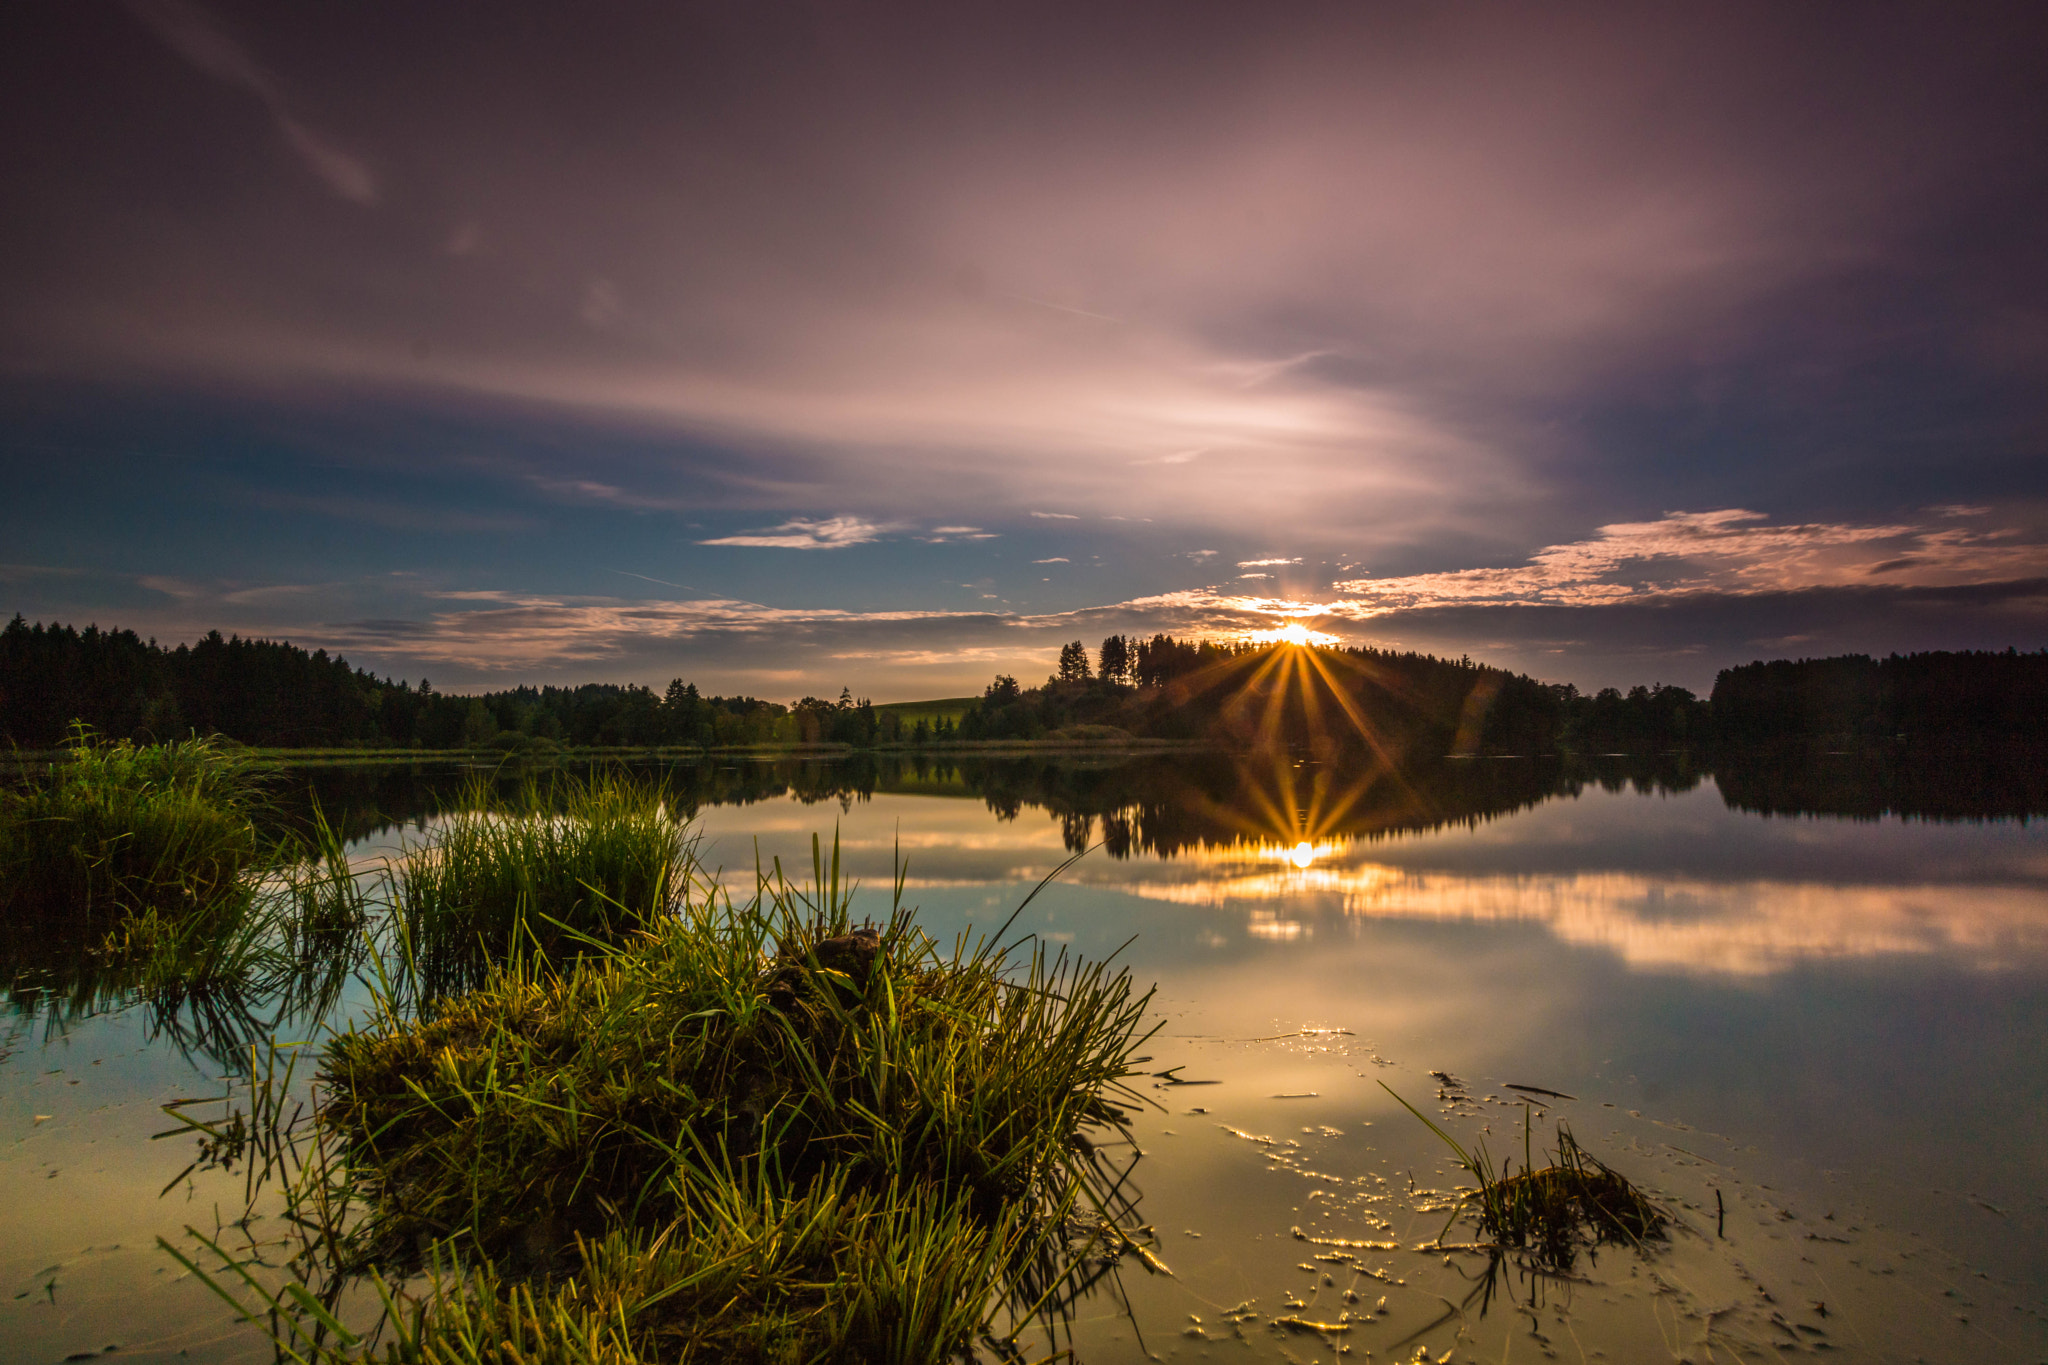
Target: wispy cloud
[1724,552]
[594,491]
[491,631]
[1263,563]
[205,43]
[1056,559]
[180,589]
[662,582]
[487,636]
[799,533]
[1055,516]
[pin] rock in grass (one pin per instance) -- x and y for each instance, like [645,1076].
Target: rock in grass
[851,955]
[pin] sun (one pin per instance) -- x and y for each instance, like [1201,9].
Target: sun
[1293,633]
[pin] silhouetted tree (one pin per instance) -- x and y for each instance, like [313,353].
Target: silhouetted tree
[1114,660]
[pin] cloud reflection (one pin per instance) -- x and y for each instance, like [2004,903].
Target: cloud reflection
[1665,923]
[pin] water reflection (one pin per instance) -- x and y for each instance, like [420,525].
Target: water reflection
[1162,805]
[1662,923]
[2006,782]
[1854,1007]
[1137,805]
[1301,849]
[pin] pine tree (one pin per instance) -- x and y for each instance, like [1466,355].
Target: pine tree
[1115,659]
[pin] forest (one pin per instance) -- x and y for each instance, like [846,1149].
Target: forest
[1400,704]
[274,694]
[1854,699]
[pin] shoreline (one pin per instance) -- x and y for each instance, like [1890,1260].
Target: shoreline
[488,757]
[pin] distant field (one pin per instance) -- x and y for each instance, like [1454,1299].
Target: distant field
[945,708]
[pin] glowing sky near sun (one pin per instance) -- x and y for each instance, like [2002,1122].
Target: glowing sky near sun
[797,346]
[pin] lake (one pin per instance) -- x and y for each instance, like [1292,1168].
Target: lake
[1804,1004]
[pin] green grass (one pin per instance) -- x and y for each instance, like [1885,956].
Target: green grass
[542,869]
[119,828]
[1551,1211]
[753,1132]
[140,873]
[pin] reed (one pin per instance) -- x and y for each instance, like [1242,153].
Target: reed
[542,870]
[752,1132]
[1551,1211]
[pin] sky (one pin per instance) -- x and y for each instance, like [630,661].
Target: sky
[791,347]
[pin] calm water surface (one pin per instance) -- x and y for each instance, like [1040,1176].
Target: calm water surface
[1837,1022]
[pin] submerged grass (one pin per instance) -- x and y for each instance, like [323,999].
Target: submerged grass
[752,1132]
[1552,1211]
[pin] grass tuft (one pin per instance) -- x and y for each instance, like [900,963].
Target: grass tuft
[1552,1211]
[749,1131]
[120,828]
[141,872]
[540,870]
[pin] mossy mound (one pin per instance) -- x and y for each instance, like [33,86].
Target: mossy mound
[753,1133]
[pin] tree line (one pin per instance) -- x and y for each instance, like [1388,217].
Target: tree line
[1400,702]
[1854,699]
[275,694]
[1420,703]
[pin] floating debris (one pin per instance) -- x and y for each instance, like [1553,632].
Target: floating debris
[1172,1076]
[1124,1242]
[1539,1090]
[1295,1324]
[1300,1236]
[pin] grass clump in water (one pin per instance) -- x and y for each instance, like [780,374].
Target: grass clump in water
[120,828]
[595,858]
[1577,1200]
[754,1132]
[142,872]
